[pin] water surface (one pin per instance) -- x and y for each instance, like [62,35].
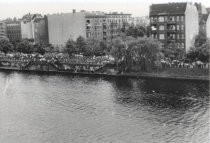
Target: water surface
[58,109]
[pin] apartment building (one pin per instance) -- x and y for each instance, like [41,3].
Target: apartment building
[143,21]
[208,27]
[117,23]
[174,23]
[13,31]
[90,25]
[34,26]
[3,30]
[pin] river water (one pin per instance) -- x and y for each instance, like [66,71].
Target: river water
[78,109]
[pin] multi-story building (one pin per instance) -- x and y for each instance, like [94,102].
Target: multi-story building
[34,26]
[143,21]
[14,31]
[40,30]
[174,23]
[3,30]
[203,24]
[90,25]
[208,27]
[116,23]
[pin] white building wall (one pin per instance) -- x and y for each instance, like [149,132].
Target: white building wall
[26,30]
[62,27]
[208,27]
[191,25]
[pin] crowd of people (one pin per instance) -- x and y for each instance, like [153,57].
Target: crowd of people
[184,64]
[100,60]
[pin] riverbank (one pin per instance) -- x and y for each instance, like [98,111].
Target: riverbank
[172,73]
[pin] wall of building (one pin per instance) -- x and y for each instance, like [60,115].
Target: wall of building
[3,30]
[40,30]
[208,27]
[26,30]
[14,31]
[191,25]
[94,27]
[62,27]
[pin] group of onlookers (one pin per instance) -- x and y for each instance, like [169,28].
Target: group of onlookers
[184,64]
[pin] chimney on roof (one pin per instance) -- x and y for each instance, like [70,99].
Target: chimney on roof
[74,11]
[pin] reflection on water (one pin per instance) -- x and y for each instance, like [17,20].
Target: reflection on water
[55,108]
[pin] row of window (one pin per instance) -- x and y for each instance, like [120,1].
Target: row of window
[13,28]
[166,18]
[169,36]
[172,27]
[118,16]
[13,32]
[99,34]
[108,21]
[179,45]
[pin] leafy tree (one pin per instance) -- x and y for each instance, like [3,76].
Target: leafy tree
[136,31]
[146,53]
[71,47]
[200,51]
[25,47]
[5,46]
[39,48]
[49,48]
[80,44]
[173,51]
[93,48]
[142,54]
[15,42]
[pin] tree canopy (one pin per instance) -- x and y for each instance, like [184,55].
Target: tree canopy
[142,54]
[71,47]
[80,44]
[5,46]
[24,47]
[200,50]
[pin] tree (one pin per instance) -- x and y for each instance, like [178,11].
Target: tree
[136,31]
[71,47]
[80,44]
[141,54]
[39,48]
[5,46]
[24,47]
[173,51]
[146,53]
[200,50]
[15,42]
[49,48]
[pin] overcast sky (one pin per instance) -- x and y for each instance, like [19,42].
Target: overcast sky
[17,8]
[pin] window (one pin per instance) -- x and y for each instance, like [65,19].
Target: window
[178,37]
[182,45]
[161,27]
[161,36]
[154,36]
[177,18]
[151,19]
[182,27]
[161,19]
[177,27]
[182,18]
[182,36]
[171,18]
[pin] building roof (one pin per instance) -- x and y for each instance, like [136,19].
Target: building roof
[168,8]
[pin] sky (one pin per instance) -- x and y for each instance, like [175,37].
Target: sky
[17,8]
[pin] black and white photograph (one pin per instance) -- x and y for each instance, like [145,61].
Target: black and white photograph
[104,71]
